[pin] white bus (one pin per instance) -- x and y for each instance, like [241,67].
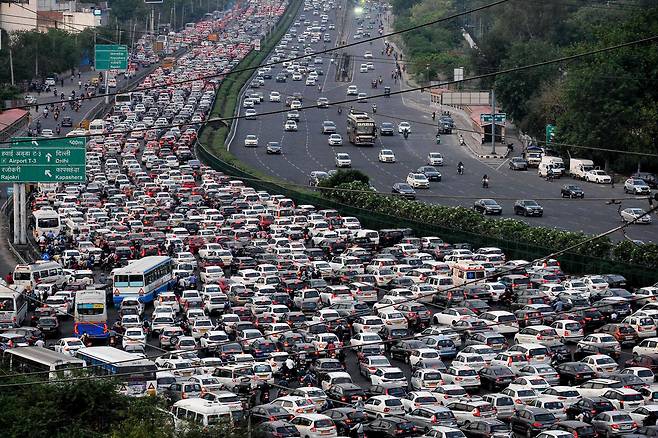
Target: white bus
[97,127]
[90,316]
[41,360]
[123,98]
[137,374]
[46,221]
[13,306]
[40,272]
[143,279]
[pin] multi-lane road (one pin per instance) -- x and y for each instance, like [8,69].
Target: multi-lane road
[307,149]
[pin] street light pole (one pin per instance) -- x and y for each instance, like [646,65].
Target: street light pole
[493,122]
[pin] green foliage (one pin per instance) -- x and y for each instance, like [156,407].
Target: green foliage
[345,177]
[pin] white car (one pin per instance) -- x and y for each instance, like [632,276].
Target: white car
[451,315]
[68,346]
[290,125]
[568,330]
[539,334]
[635,214]
[382,406]
[251,141]
[295,405]
[362,97]
[435,159]
[648,346]
[537,383]
[404,126]
[418,180]
[367,324]
[469,360]
[133,336]
[415,399]
[598,176]
[360,339]
[388,374]
[335,140]
[352,90]
[310,82]
[343,160]
[386,156]
[644,374]
[367,55]
[250,114]
[466,377]
[275,96]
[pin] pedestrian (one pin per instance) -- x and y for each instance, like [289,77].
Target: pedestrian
[79,85]
[61,82]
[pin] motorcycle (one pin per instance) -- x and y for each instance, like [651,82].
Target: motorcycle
[438,139]
[374,109]
[485,183]
[460,170]
[405,134]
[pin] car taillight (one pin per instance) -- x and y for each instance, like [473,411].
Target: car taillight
[477,413]
[614,426]
[387,409]
[184,395]
[536,424]
[518,401]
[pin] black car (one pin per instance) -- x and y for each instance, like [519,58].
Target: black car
[430,172]
[577,428]
[496,377]
[343,393]
[269,412]
[528,207]
[387,128]
[67,122]
[273,147]
[49,326]
[518,163]
[276,429]
[404,189]
[280,77]
[345,418]
[571,191]
[487,206]
[530,421]
[401,349]
[628,380]
[490,428]
[589,407]
[615,280]
[574,373]
[390,427]
[389,388]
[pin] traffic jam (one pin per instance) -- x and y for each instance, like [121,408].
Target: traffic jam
[240,306]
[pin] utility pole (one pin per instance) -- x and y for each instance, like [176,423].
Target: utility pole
[493,121]
[11,63]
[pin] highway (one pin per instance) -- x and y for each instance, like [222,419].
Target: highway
[307,149]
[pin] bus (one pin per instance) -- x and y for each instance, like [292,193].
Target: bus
[143,279]
[137,374]
[361,129]
[45,222]
[168,63]
[190,26]
[13,306]
[40,272]
[123,98]
[52,364]
[97,127]
[90,316]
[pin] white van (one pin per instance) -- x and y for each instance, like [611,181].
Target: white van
[200,411]
[371,235]
[40,272]
[45,222]
[13,306]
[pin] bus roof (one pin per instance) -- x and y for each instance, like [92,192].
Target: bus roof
[44,355]
[113,355]
[90,296]
[142,265]
[45,214]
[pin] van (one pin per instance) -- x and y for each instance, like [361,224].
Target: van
[13,306]
[40,272]
[440,282]
[371,235]
[201,412]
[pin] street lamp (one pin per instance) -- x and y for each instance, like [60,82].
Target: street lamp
[427,69]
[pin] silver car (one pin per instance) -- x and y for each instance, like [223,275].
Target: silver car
[427,417]
[613,423]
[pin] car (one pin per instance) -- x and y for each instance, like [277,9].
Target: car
[404,127]
[418,180]
[314,425]
[275,96]
[598,176]
[322,102]
[588,407]
[613,423]
[531,421]
[647,177]
[636,215]
[487,206]
[335,140]
[250,114]
[367,55]
[571,191]
[496,377]
[343,160]
[393,427]
[290,126]
[328,127]
[435,159]
[386,156]
[383,406]
[273,147]
[636,186]
[518,163]
[404,189]
[68,345]
[528,207]
[361,97]
[387,128]
[430,172]
[352,90]
[251,141]
[316,176]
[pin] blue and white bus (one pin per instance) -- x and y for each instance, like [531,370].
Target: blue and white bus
[143,279]
[136,374]
[90,314]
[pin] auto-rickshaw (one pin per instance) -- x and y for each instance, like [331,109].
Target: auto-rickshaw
[387,91]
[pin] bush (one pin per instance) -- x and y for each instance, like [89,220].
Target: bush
[344,177]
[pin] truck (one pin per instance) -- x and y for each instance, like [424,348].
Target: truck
[555,163]
[578,167]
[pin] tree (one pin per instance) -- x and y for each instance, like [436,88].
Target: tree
[344,177]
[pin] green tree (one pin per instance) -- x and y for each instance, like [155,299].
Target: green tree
[344,177]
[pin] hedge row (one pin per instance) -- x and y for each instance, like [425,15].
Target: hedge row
[361,195]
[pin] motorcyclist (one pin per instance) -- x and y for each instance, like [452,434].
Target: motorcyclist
[374,108]
[460,168]
[308,379]
[485,181]
[340,109]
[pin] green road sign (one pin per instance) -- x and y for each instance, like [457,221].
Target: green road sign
[550,133]
[110,57]
[500,118]
[43,160]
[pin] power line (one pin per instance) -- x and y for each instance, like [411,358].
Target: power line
[232,72]
[552,255]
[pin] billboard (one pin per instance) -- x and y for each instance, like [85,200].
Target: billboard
[465,98]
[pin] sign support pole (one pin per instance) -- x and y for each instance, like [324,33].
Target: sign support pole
[493,122]
[16,216]
[23,219]
[107,98]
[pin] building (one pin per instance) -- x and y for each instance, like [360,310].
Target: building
[26,15]
[19,15]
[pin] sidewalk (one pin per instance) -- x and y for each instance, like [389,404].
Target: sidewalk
[421,102]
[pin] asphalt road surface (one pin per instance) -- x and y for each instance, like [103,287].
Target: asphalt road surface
[307,149]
